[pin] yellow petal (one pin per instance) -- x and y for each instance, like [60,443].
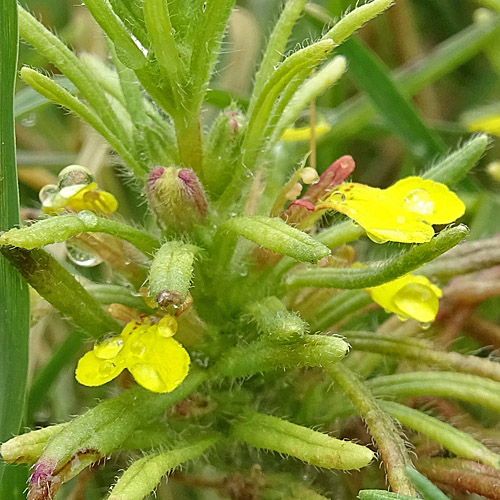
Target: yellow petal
[382,218]
[162,366]
[409,297]
[93,371]
[304,133]
[489,124]
[432,201]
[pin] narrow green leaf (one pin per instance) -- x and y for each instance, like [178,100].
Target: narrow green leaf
[14,300]
[276,45]
[381,426]
[392,104]
[428,490]
[103,429]
[383,495]
[464,387]
[62,227]
[458,164]
[171,273]
[264,356]
[316,448]
[380,272]
[458,442]
[278,236]
[128,51]
[60,288]
[142,477]
[27,100]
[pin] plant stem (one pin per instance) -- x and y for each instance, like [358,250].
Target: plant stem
[381,426]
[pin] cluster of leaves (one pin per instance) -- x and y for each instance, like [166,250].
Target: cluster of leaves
[282,335]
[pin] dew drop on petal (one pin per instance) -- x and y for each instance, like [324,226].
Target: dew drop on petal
[167,326]
[337,197]
[417,301]
[419,201]
[74,175]
[48,192]
[137,347]
[106,368]
[109,349]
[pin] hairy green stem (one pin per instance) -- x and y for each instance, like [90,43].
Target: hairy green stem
[381,426]
[380,272]
[61,289]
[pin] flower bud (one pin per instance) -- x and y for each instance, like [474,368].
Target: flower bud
[177,197]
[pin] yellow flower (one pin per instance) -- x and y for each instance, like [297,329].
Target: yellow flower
[76,191]
[77,198]
[411,296]
[403,212]
[304,133]
[148,351]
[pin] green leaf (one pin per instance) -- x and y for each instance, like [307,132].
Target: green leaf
[428,490]
[457,165]
[142,477]
[60,288]
[458,442]
[28,100]
[171,273]
[274,234]
[316,448]
[391,103]
[62,227]
[14,300]
[380,272]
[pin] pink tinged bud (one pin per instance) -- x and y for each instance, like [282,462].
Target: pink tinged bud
[334,175]
[177,197]
[43,483]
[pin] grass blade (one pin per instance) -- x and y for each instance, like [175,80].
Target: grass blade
[393,105]
[14,303]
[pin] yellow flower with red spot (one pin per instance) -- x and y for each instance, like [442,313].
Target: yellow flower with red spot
[403,212]
[411,296]
[146,349]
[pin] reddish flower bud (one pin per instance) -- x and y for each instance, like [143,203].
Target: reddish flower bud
[177,197]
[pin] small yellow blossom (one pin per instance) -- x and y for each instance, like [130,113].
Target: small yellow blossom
[403,212]
[80,197]
[304,133]
[148,351]
[76,191]
[411,296]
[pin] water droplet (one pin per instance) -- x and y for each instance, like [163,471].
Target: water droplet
[377,239]
[106,368]
[425,326]
[172,31]
[419,201]
[309,175]
[48,192]
[418,301]
[337,197]
[88,218]
[400,219]
[148,377]
[167,326]
[29,120]
[109,349]
[137,348]
[204,7]
[81,257]
[74,175]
